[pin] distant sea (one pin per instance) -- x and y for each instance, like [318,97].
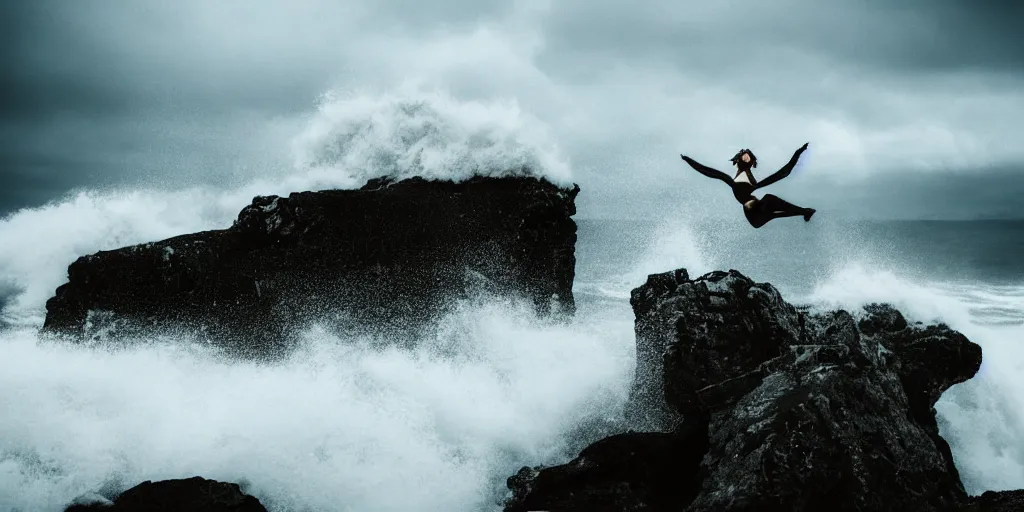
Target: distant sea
[797,256]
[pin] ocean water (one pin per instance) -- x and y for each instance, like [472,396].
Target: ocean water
[344,425]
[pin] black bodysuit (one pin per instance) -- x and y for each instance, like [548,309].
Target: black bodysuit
[743,191]
[768,207]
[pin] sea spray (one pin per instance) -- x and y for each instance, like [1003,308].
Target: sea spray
[341,423]
[426,134]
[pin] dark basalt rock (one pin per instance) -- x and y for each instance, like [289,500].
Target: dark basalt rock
[629,471]
[187,495]
[750,404]
[390,256]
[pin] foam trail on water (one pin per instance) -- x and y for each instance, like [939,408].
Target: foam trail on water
[980,418]
[341,426]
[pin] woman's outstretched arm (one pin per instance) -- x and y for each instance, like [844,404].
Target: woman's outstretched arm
[707,171]
[786,169]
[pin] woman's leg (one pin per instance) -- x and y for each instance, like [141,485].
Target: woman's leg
[754,215]
[773,207]
[779,207]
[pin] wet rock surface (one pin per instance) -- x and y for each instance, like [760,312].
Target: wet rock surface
[390,256]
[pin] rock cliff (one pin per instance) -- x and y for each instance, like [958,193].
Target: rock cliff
[746,403]
[389,256]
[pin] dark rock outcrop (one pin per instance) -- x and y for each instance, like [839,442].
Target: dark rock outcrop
[194,494]
[1005,501]
[749,403]
[387,256]
[629,471]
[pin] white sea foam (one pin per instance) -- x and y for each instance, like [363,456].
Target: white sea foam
[427,134]
[341,426]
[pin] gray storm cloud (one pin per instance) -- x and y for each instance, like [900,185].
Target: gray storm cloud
[156,93]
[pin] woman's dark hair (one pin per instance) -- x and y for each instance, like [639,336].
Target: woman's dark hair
[753,159]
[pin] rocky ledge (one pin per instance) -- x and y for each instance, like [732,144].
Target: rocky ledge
[195,494]
[744,402]
[391,255]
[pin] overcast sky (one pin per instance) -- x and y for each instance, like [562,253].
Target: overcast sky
[912,108]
